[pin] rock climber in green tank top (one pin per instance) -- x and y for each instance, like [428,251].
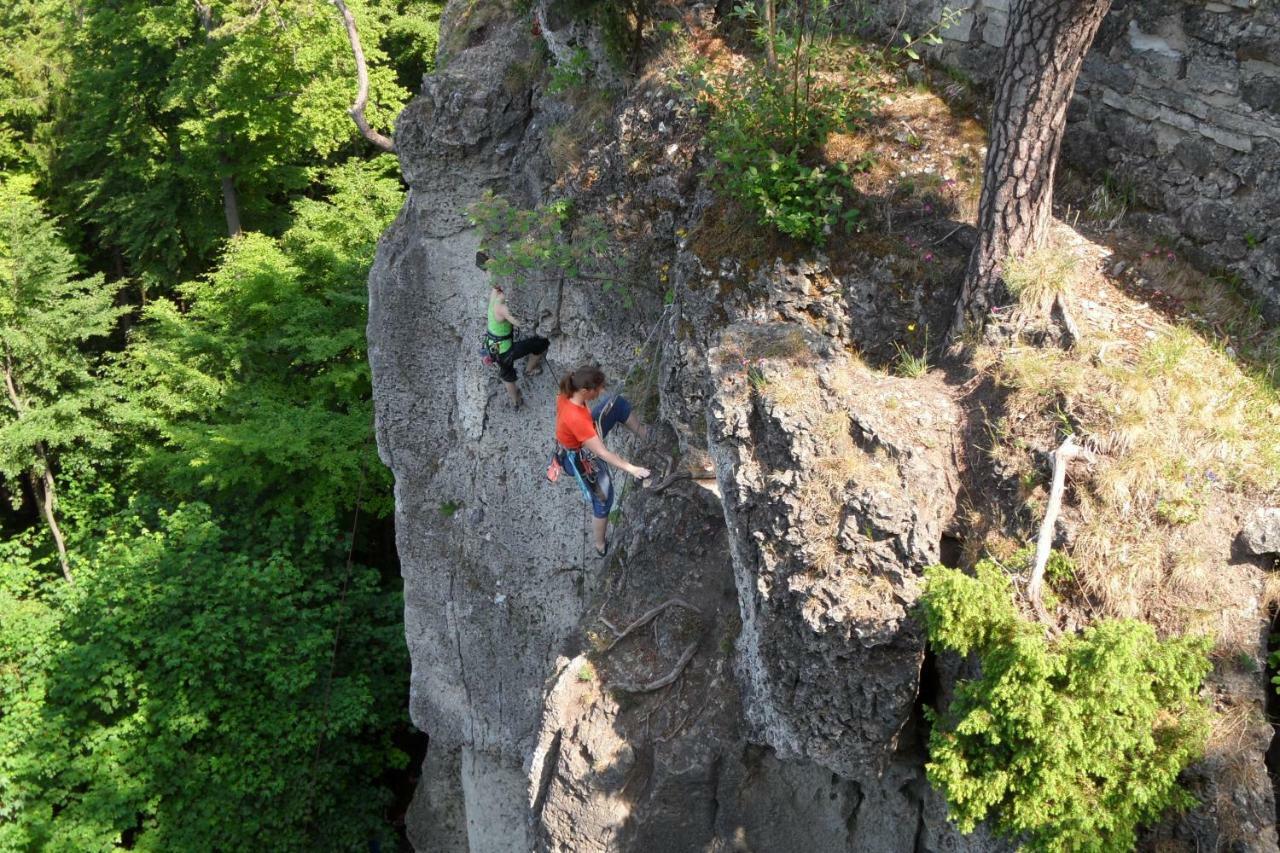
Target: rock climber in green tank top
[503,347]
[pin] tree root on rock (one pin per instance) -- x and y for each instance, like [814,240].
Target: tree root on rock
[646,619]
[630,687]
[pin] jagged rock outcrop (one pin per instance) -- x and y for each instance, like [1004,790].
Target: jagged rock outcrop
[493,581]
[1261,533]
[838,484]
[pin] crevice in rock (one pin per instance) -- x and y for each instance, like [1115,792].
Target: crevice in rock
[549,764]
[403,782]
[912,794]
[713,785]
[1273,704]
[855,801]
[950,549]
[930,681]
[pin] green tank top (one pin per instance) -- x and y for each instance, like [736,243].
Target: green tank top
[499,329]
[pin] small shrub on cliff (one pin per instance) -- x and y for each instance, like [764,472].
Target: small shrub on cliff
[768,130]
[1066,744]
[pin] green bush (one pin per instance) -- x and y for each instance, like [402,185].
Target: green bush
[1066,744]
[547,241]
[570,74]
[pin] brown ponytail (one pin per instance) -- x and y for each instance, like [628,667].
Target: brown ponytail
[588,376]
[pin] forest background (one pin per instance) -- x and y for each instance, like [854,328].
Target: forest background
[200,619]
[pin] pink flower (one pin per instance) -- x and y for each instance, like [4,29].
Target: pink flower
[928,256]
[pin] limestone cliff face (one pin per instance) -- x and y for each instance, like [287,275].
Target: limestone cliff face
[782,570]
[837,487]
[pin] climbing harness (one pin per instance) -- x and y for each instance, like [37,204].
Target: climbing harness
[585,467]
[491,345]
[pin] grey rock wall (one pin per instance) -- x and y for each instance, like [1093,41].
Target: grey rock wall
[1178,100]
[493,578]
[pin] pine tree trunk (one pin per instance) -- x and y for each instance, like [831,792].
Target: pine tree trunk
[1043,51]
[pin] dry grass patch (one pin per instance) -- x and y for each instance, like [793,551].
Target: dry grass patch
[566,141]
[1187,439]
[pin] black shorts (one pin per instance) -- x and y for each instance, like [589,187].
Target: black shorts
[532,345]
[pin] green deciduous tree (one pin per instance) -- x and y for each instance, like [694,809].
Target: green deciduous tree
[53,396]
[1067,745]
[179,696]
[257,384]
[176,104]
[32,72]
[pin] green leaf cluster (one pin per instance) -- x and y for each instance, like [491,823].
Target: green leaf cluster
[32,74]
[1067,744]
[254,381]
[523,244]
[160,110]
[222,675]
[178,697]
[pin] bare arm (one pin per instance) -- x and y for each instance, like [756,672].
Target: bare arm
[596,446]
[502,312]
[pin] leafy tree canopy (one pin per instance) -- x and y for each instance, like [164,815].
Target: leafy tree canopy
[53,397]
[162,108]
[261,385]
[178,697]
[32,73]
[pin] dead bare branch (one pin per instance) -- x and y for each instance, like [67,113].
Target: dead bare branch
[362,82]
[1062,457]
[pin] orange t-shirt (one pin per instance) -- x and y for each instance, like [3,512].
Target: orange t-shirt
[573,423]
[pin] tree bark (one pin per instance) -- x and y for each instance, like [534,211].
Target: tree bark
[230,199]
[42,483]
[1043,51]
[769,20]
[47,498]
[362,82]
